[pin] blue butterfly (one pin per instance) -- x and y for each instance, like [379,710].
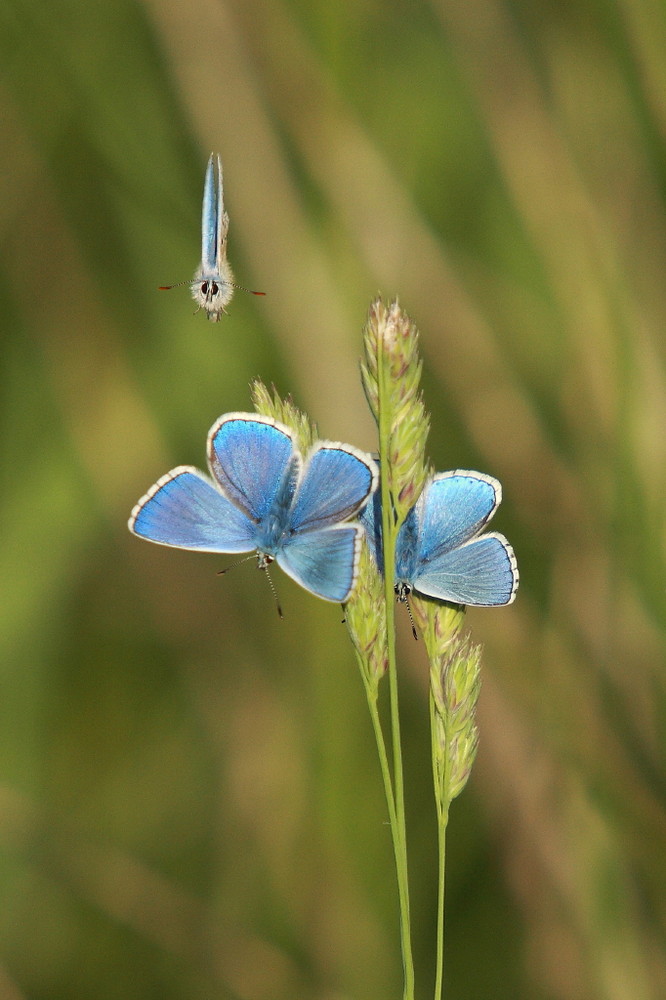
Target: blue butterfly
[440,552]
[264,495]
[213,283]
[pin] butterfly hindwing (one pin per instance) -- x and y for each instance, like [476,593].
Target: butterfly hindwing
[222,228]
[324,561]
[481,572]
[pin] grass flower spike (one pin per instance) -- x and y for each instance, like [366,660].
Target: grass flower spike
[391,374]
[366,621]
[455,682]
[425,535]
[284,411]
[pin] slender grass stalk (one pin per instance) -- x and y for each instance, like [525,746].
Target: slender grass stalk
[454,690]
[391,372]
[371,691]
[366,618]
[442,806]
[389,536]
[441,766]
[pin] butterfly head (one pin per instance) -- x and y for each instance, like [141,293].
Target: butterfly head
[264,560]
[212,293]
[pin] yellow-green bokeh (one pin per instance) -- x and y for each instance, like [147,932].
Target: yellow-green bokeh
[190,806]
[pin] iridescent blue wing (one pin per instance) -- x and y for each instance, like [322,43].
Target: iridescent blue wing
[185,509]
[253,460]
[371,519]
[336,482]
[452,509]
[481,572]
[210,218]
[324,561]
[441,555]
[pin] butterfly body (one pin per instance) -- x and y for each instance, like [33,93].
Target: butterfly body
[407,551]
[265,497]
[213,285]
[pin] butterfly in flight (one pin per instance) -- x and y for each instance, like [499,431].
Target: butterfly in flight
[440,550]
[263,495]
[213,284]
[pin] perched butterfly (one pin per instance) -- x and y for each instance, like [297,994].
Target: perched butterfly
[213,284]
[440,552]
[264,495]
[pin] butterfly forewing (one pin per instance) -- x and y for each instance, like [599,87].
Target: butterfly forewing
[453,508]
[253,460]
[209,219]
[185,509]
[337,481]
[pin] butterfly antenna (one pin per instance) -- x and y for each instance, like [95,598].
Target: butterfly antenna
[273,591]
[221,572]
[242,288]
[165,288]
[411,617]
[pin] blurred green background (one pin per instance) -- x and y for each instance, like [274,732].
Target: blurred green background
[190,804]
